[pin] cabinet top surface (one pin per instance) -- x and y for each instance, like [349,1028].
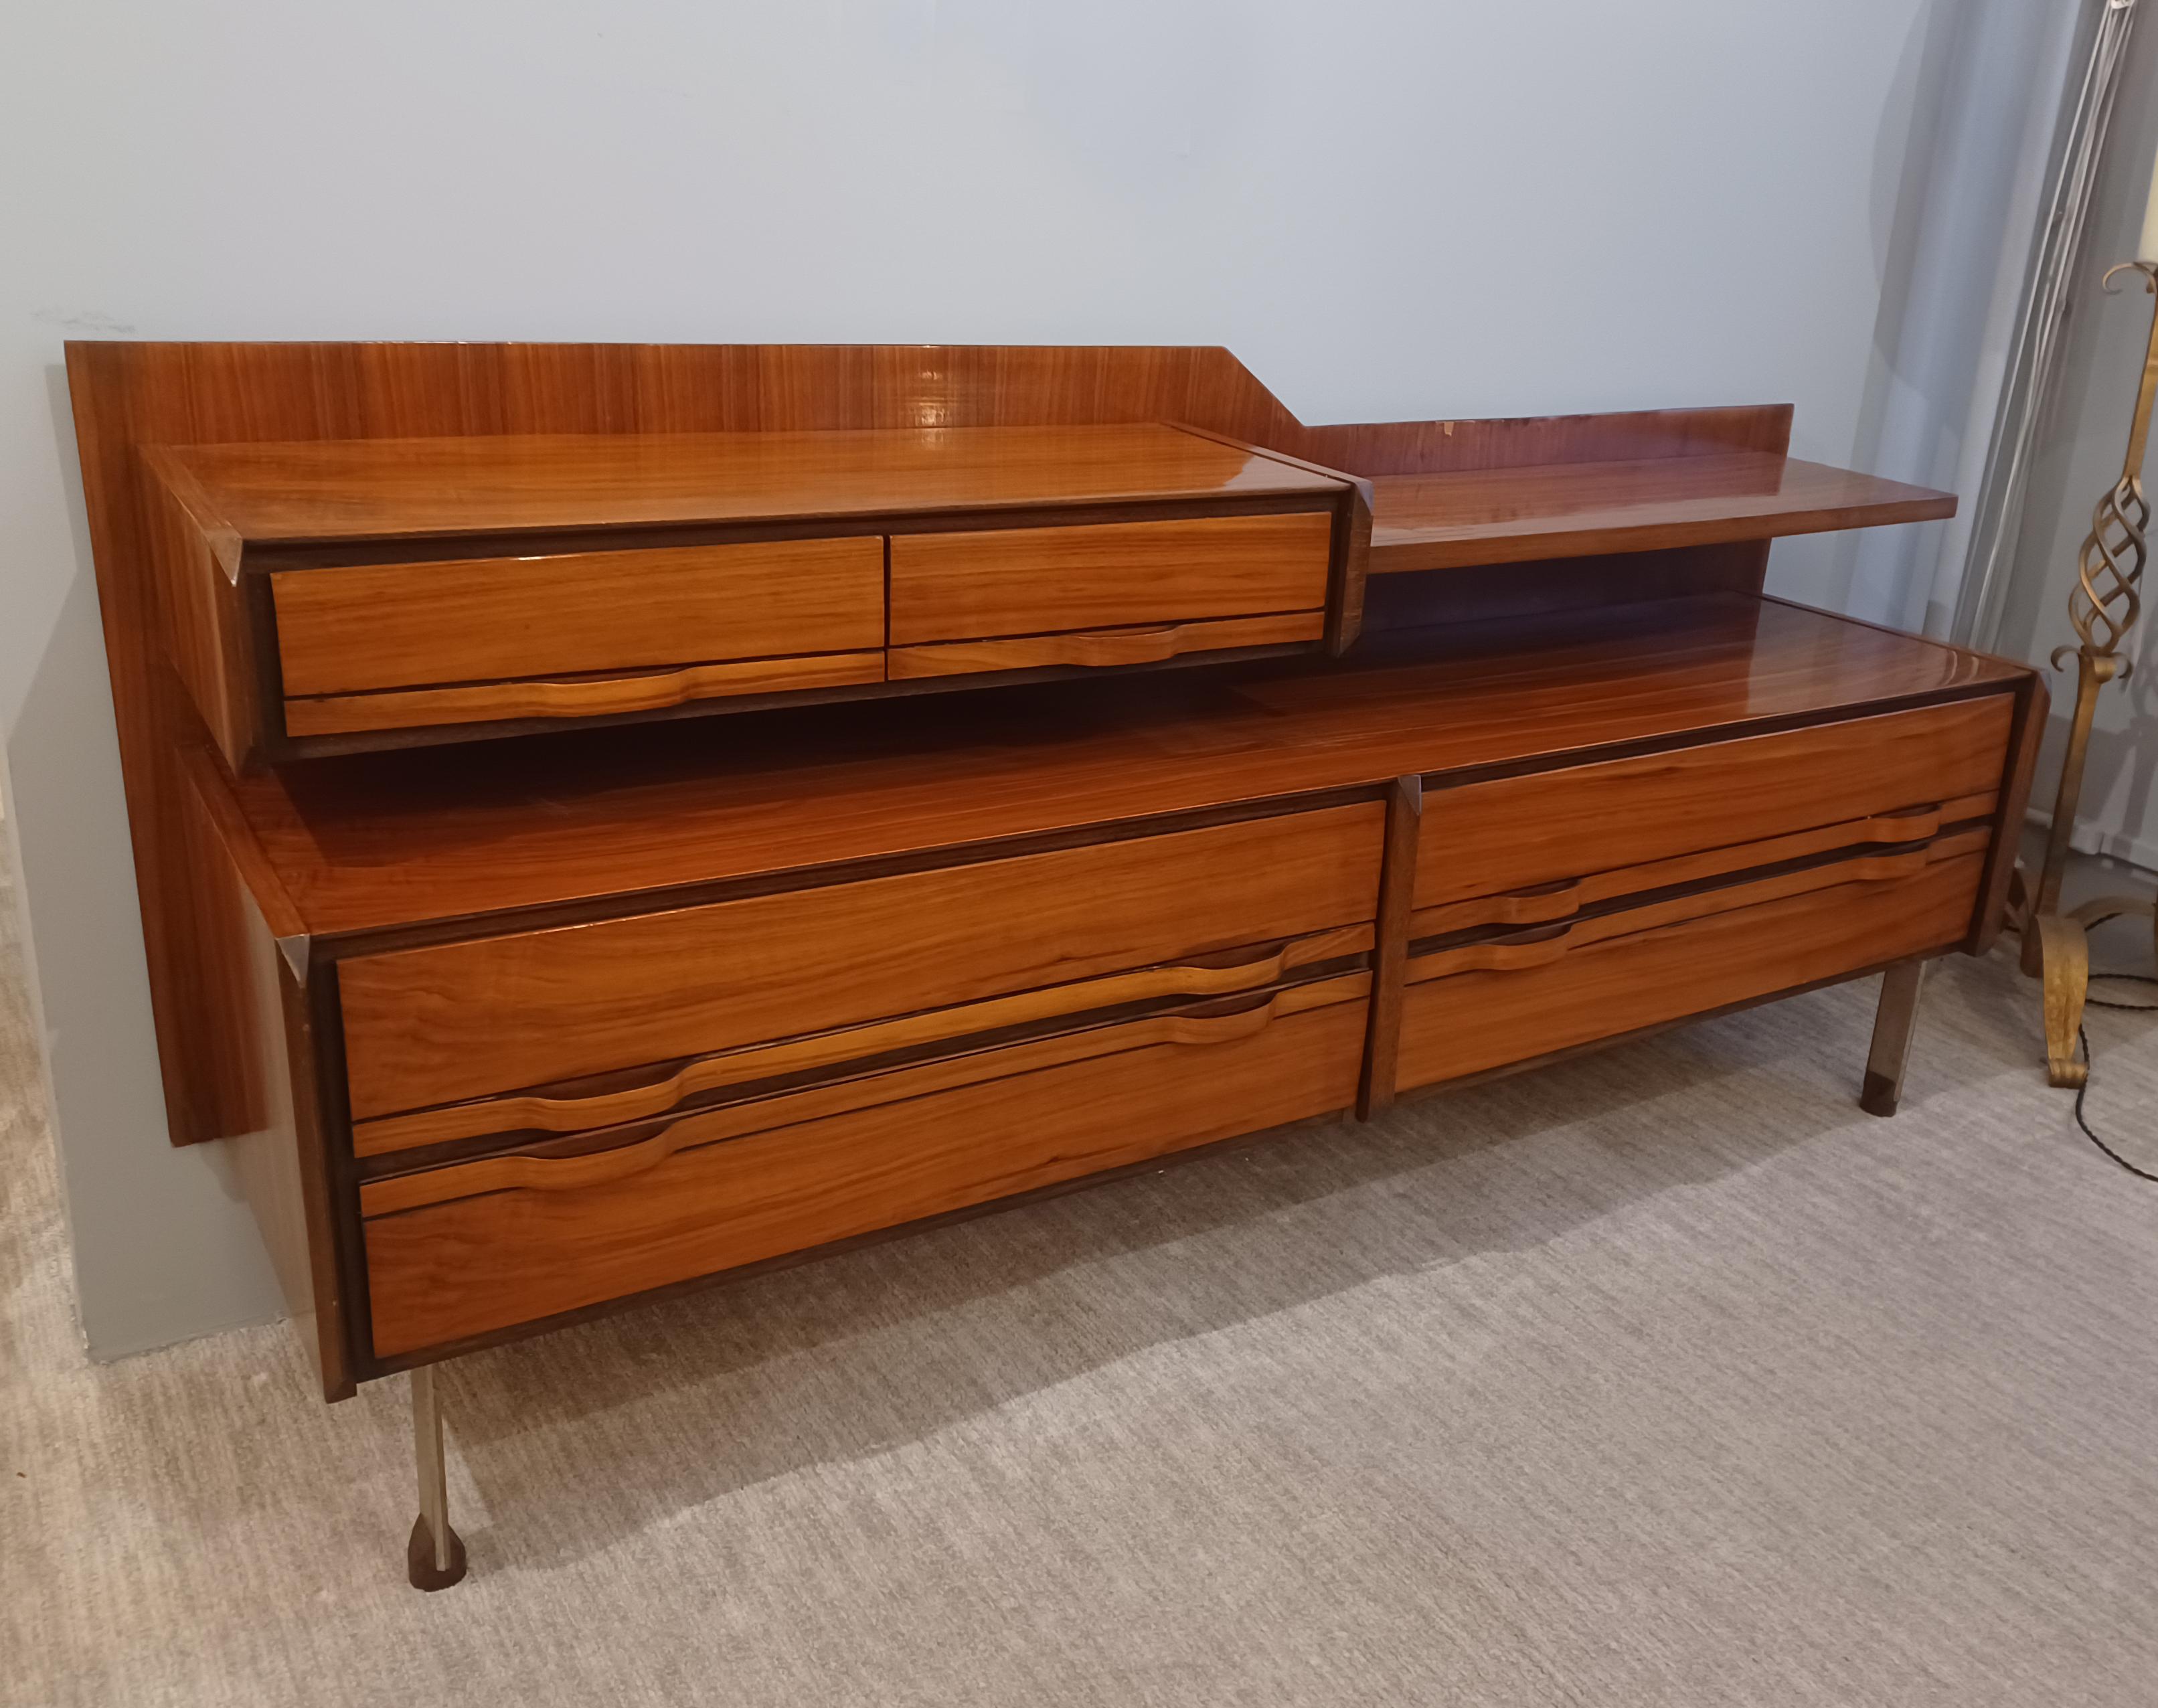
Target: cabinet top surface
[332,490]
[373,842]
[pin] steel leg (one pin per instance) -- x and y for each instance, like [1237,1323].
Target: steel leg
[435,1557]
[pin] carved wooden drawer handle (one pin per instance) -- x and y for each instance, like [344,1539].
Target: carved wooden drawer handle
[1510,956]
[1143,646]
[1921,822]
[551,1114]
[590,697]
[624,1162]
[1533,906]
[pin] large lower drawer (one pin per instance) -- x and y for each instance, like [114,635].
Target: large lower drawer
[1512,833]
[466,1019]
[1510,999]
[482,1247]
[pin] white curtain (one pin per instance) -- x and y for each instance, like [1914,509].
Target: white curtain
[2008,118]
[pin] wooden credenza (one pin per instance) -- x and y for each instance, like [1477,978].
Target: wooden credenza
[904,820]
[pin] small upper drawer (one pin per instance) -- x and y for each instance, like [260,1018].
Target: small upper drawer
[1041,581]
[1515,832]
[465,1019]
[342,630]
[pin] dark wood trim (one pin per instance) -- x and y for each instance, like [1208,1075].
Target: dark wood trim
[1390,954]
[317,1114]
[2033,704]
[340,1178]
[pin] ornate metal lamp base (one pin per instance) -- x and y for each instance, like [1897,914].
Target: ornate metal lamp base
[2057,950]
[2102,606]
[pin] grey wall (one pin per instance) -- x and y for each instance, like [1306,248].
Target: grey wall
[1387,208]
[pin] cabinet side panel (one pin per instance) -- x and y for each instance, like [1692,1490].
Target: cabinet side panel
[202,621]
[265,1079]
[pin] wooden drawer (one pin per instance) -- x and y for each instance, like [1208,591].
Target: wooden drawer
[389,645]
[1100,648]
[482,1247]
[426,1026]
[1479,1006]
[1513,833]
[996,582]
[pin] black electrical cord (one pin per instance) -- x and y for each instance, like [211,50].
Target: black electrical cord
[2083,1038]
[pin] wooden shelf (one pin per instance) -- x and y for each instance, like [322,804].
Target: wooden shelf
[1461,518]
[373,842]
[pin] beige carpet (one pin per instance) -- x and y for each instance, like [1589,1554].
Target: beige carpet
[1665,1377]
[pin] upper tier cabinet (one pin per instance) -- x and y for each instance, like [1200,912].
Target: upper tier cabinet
[328,596]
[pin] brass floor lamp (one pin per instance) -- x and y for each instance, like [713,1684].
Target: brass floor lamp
[2102,606]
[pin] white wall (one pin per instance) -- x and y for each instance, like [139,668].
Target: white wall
[1387,208]
[2086,432]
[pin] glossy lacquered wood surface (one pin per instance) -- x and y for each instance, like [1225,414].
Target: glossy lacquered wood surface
[505,1257]
[983,584]
[587,1104]
[458,1020]
[1475,1020]
[371,489]
[606,696]
[1515,831]
[471,620]
[1458,518]
[128,397]
[378,841]
[1148,643]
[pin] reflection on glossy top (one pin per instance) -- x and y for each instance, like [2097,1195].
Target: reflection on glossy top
[384,839]
[1464,517]
[393,488]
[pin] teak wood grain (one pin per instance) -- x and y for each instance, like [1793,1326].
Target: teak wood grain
[477,1263]
[1511,833]
[360,491]
[1092,648]
[577,696]
[1538,904]
[474,620]
[573,1106]
[459,1019]
[606,1154]
[128,397]
[1461,518]
[1473,1021]
[984,583]
[1541,945]
[378,842]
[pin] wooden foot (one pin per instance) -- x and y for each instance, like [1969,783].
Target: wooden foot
[1893,1024]
[2064,956]
[435,1556]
